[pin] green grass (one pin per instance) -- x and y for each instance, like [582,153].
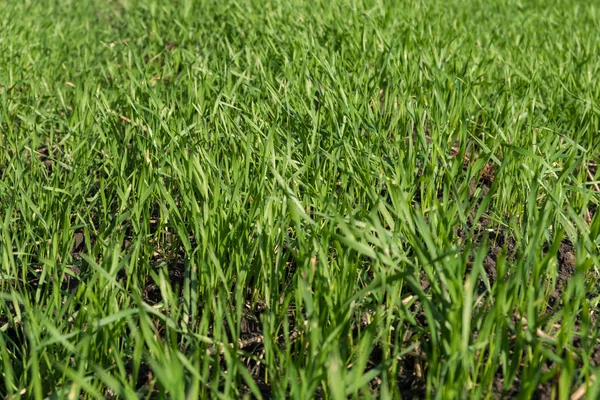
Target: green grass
[401,196]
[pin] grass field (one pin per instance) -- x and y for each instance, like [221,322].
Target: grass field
[299,199]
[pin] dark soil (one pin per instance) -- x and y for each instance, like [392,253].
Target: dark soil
[566,268]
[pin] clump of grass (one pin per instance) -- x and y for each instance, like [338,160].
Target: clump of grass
[261,199]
